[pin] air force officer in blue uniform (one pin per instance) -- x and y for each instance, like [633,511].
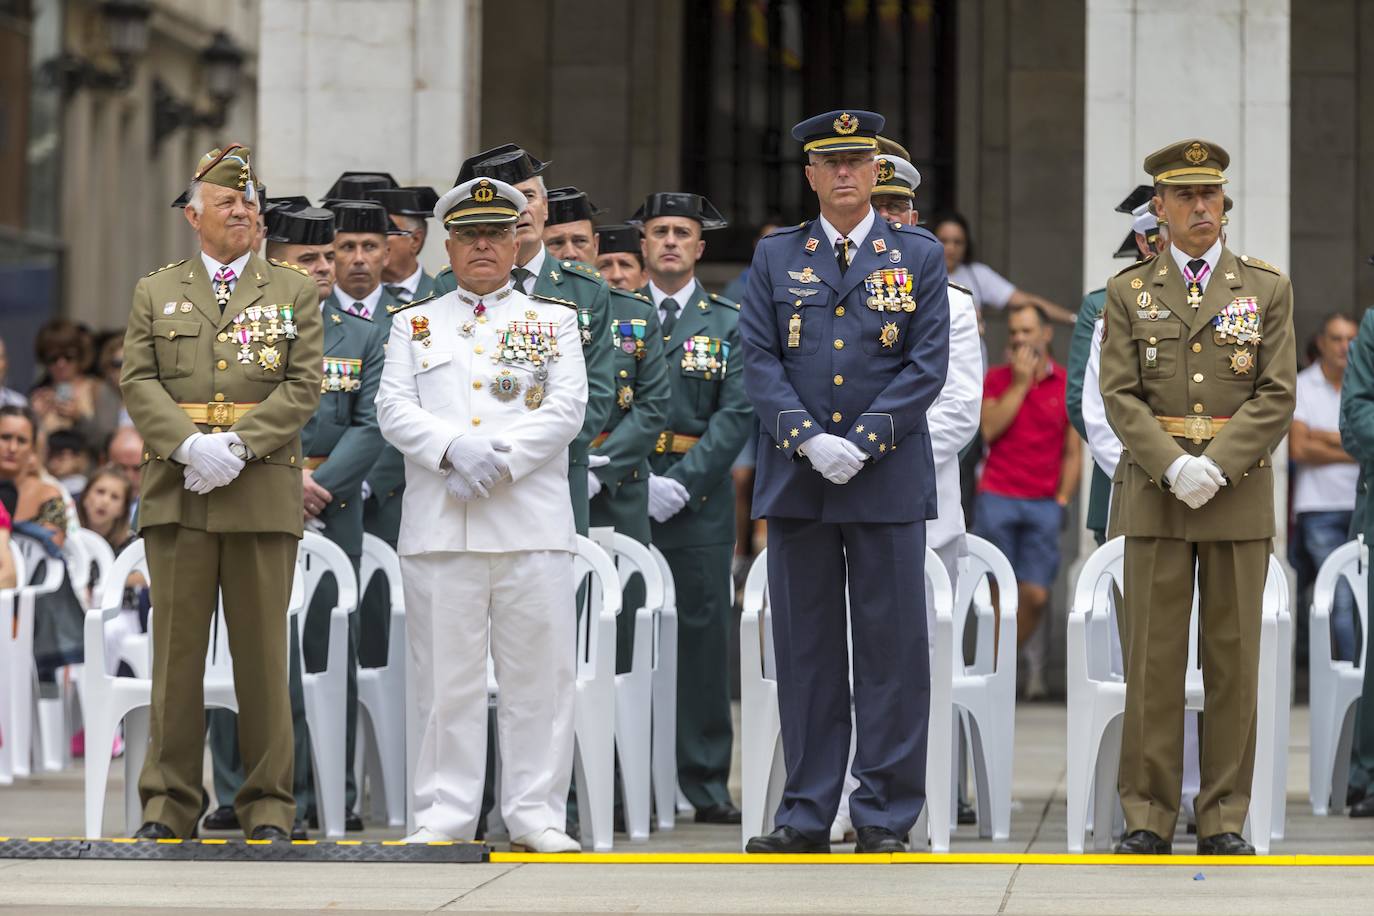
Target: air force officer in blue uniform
[845,328]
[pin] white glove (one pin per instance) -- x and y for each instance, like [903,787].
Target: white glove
[315,525]
[194,482]
[834,458]
[666,498]
[1195,480]
[598,461]
[464,490]
[209,455]
[367,491]
[593,485]
[477,461]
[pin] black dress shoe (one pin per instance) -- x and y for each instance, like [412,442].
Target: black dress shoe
[718,814]
[153,830]
[967,814]
[878,839]
[1363,808]
[298,831]
[222,818]
[353,822]
[268,832]
[1354,795]
[1144,843]
[786,839]
[1224,844]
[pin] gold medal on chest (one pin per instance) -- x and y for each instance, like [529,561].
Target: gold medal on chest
[888,335]
[1242,361]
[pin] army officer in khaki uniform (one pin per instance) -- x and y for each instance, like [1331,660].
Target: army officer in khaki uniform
[222,368]
[1198,381]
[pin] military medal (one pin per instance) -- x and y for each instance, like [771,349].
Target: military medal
[466,329]
[1242,361]
[288,320]
[534,396]
[169,309]
[1152,357]
[505,387]
[1137,283]
[584,323]
[805,275]
[1194,295]
[895,257]
[794,331]
[419,329]
[624,397]
[269,358]
[888,336]
[531,315]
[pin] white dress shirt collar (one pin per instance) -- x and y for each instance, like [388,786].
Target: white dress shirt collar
[490,299]
[535,265]
[237,265]
[1211,256]
[856,236]
[680,297]
[411,283]
[369,301]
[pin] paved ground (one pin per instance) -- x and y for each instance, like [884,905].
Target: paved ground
[51,805]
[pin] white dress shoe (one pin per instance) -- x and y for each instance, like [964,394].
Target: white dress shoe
[425,835]
[546,840]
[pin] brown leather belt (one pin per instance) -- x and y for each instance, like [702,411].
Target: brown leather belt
[217,413]
[674,443]
[599,440]
[1198,429]
[314,461]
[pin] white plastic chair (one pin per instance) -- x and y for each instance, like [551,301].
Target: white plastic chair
[1335,685]
[325,692]
[1097,704]
[594,708]
[19,674]
[382,695]
[663,752]
[763,771]
[985,691]
[634,688]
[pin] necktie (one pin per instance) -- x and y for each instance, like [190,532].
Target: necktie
[223,278]
[358,309]
[1195,273]
[521,275]
[842,253]
[670,310]
[401,293]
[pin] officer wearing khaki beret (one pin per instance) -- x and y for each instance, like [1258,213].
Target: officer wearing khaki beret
[222,369]
[1198,379]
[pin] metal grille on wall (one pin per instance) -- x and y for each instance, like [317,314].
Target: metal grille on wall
[753,68]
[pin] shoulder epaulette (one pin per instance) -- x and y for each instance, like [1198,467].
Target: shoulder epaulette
[1135,265]
[783,230]
[630,294]
[289,266]
[963,289]
[167,267]
[393,309]
[581,268]
[1262,265]
[717,297]
[554,301]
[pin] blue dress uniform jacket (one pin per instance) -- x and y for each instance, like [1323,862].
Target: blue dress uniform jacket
[842,376]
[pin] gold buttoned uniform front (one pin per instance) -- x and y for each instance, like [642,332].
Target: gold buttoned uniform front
[182,374]
[1215,380]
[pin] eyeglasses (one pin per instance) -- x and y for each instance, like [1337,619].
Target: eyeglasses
[899,206]
[70,356]
[468,235]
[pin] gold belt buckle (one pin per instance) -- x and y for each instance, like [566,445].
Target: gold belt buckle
[665,442]
[1197,428]
[219,413]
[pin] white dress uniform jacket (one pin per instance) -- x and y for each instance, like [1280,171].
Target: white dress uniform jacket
[439,384]
[953,418]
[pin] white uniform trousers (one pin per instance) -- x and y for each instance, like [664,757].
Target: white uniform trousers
[523,602]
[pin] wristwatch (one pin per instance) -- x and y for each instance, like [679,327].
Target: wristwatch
[240,451]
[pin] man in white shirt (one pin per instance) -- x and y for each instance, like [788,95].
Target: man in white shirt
[483,390]
[1324,480]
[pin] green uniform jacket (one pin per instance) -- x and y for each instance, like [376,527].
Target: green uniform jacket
[178,349]
[1174,365]
[387,476]
[1079,351]
[711,405]
[344,428]
[642,396]
[1357,414]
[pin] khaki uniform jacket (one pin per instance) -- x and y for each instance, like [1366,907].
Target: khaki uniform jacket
[175,354]
[1175,365]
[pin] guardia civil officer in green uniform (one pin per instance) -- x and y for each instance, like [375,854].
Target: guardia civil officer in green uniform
[1135,245]
[409,209]
[1198,379]
[576,284]
[691,493]
[620,256]
[222,360]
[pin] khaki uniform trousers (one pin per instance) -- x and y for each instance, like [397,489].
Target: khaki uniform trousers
[188,568]
[1158,605]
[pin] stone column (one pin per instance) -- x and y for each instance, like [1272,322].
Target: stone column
[1164,70]
[361,84]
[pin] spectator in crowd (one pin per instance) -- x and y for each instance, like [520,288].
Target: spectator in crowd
[35,504]
[69,460]
[125,451]
[8,575]
[67,398]
[990,289]
[1324,480]
[1032,467]
[104,506]
[109,406]
[8,396]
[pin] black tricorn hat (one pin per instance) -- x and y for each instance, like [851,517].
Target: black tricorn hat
[507,162]
[569,205]
[355,185]
[304,226]
[1138,196]
[416,200]
[294,202]
[360,216]
[618,237]
[679,203]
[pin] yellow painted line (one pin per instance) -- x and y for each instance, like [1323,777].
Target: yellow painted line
[304,842]
[348,842]
[981,858]
[688,858]
[212,842]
